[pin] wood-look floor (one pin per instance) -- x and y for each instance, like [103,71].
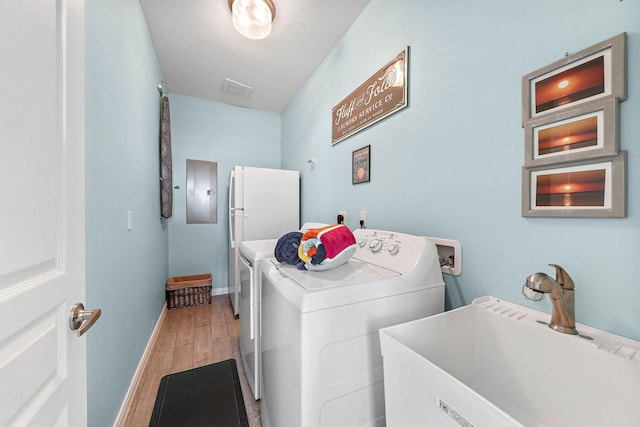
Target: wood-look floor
[190,338]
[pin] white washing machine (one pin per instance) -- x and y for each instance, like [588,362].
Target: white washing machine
[250,253]
[321,359]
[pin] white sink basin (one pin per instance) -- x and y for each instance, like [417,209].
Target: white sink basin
[494,363]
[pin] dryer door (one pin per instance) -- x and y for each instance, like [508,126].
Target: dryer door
[248,327]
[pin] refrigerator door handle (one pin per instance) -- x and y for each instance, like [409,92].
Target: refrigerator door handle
[232,179]
[232,239]
[233,213]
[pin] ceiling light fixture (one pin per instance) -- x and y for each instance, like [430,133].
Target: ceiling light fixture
[252,18]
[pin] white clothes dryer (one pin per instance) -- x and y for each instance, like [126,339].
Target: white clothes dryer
[321,359]
[250,253]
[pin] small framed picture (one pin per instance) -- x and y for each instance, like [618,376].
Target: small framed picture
[361,165]
[593,73]
[578,190]
[579,133]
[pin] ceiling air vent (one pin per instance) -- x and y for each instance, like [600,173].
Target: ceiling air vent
[234,88]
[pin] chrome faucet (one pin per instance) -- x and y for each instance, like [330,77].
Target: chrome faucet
[561,292]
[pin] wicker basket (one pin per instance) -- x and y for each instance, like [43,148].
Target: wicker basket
[185,291]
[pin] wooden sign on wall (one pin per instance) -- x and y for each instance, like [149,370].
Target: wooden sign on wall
[381,95]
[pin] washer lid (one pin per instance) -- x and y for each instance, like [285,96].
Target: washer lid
[350,273]
[255,250]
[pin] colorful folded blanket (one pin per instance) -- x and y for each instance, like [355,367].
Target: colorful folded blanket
[316,249]
[326,247]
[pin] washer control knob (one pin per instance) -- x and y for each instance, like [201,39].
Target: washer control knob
[393,249]
[362,242]
[375,245]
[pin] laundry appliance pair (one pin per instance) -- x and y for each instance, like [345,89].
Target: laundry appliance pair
[319,362]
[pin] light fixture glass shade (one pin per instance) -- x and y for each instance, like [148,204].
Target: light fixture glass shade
[252,18]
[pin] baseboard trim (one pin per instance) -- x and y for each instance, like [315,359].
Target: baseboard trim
[219,291]
[137,376]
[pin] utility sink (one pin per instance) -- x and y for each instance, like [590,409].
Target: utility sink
[494,363]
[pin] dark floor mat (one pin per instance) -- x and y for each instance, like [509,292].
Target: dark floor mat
[206,396]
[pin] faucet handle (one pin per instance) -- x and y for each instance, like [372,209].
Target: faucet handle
[562,277]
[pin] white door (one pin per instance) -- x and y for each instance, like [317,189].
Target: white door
[42,272]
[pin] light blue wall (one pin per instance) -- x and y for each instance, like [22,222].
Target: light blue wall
[126,270]
[450,164]
[229,135]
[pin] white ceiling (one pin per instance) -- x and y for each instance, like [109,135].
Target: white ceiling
[198,47]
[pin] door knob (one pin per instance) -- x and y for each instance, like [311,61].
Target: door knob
[81,320]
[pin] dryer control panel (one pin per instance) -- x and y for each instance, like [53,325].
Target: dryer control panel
[403,253]
[376,241]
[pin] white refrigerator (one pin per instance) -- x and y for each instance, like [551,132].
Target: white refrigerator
[263,204]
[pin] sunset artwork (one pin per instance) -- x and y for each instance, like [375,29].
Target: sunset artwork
[580,82]
[573,165]
[580,188]
[569,136]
